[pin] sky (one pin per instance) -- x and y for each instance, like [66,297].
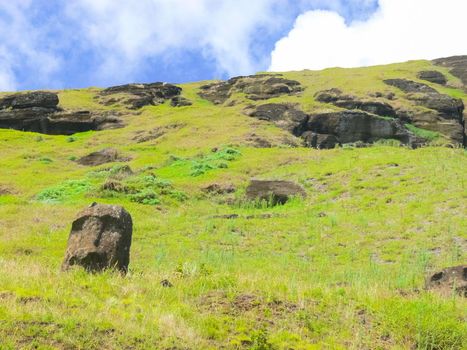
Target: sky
[58,44]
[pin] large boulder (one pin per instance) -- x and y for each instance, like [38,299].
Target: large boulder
[273,191]
[433,76]
[452,279]
[256,87]
[106,155]
[100,239]
[135,96]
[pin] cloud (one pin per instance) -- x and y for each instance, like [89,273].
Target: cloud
[126,33]
[399,30]
[24,54]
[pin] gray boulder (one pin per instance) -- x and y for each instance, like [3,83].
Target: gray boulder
[100,239]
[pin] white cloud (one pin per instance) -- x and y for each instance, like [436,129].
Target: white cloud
[399,30]
[125,33]
[22,47]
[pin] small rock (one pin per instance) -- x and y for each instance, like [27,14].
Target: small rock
[100,239]
[179,101]
[166,284]
[448,280]
[219,188]
[106,155]
[275,191]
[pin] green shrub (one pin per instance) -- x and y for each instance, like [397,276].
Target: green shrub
[64,191]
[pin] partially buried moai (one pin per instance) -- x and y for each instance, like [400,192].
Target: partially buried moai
[100,239]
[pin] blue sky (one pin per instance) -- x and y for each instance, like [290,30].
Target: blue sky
[79,43]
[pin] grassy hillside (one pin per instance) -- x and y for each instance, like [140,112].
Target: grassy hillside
[342,269]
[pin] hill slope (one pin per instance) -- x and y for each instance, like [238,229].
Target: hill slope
[342,269]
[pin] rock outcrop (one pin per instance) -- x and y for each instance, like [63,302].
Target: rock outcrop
[433,76]
[256,87]
[39,112]
[326,130]
[441,113]
[453,279]
[337,98]
[273,191]
[457,65]
[107,155]
[135,96]
[285,116]
[100,239]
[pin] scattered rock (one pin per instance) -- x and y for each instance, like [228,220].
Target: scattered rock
[256,141]
[320,141]
[218,189]
[4,190]
[273,191]
[166,284]
[144,136]
[179,101]
[114,186]
[256,87]
[100,239]
[107,155]
[449,280]
[226,216]
[433,76]
[136,96]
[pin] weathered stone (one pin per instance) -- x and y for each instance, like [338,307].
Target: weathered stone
[458,65]
[453,279]
[136,96]
[285,116]
[353,126]
[40,99]
[179,101]
[320,141]
[38,112]
[410,86]
[445,117]
[107,155]
[219,188]
[273,191]
[337,98]
[433,76]
[256,87]
[100,239]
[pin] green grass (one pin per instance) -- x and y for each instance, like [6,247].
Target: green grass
[342,269]
[426,134]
